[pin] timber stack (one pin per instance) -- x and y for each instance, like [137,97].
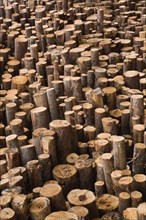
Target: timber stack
[72,110]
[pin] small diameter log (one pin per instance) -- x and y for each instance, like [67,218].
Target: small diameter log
[119,149]
[3,167]
[20,47]
[4,184]
[27,153]
[141,209]
[110,125]
[11,109]
[45,163]
[116,176]
[100,188]
[80,211]
[16,126]
[40,99]
[136,198]
[138,133]
[40,208]
[65,145]
[19,83]
[89,133]
[124,201]
[130,214]
[72,158]
[137,106]
[101,146]
[53,105]
[95,56]
[139,153]
[54,193]
[62,215]
[107,160]
[34,174]
[7,214]
[40,117]
[88,111]
[66,176]
[12,141]
[99,114]
[49,147]
[140,184]
[107,203]
[77,88]
[13,158]
[20,206]
[110,96]
[78,197]
[99,169]
[86,172]
[36,138]
[95,98]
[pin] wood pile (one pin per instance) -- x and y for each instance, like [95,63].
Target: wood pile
[72,110]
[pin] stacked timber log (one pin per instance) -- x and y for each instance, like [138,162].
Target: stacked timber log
[72,110]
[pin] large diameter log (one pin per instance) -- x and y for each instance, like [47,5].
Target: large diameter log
[66,175]
[7,214]
[107,203]
[80,211]
[66,143]
[86,172]
[141,209]
[130,214]
[54,193]
[62,215]
[20,206]
[40,208]
[86,198]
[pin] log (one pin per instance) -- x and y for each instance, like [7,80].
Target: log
[80,211]
[141,210]
[86,171]
[107,160]
[130,214]
[20,206]
[66,176]
[40,117]
[61,215]
[54,193]
[107,203]
[40,208]
[82,197]
[64,146]
[7,213]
